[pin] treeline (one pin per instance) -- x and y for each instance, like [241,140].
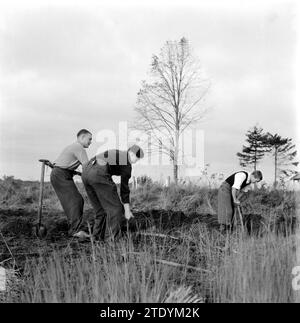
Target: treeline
[260,144]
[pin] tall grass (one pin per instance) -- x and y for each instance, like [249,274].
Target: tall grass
[213,268]
[110,273]
[256,270]
[193,264]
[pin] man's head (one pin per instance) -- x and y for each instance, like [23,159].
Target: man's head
[135,153]
[256,176]
[84,137]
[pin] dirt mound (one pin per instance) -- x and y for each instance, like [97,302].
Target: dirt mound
[165,220]
[16,222]
[19,226]
[20,222]
[18,238]
[259,225]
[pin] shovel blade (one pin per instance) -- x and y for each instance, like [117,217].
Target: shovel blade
[40,231]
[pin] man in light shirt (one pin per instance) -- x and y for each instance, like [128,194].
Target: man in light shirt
[228,194]
[62,180]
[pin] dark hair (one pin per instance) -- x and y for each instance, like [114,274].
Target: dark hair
[137,150]
[258,174]
[82,132]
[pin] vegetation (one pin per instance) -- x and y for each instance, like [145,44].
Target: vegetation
[172,100]
[282,149]
[189,261]
[256,148]
[214,269]
[284,154]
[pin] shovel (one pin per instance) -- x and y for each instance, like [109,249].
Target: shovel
[40,229]
[238,207]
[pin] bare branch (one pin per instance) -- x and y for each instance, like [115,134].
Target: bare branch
[170,102]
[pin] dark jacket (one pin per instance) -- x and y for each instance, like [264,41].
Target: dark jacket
[118,165]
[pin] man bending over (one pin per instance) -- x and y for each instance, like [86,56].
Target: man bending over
[228,195]
[102,191]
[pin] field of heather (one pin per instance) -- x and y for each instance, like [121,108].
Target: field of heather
[173,250]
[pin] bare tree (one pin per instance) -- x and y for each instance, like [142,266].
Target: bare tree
[172,100]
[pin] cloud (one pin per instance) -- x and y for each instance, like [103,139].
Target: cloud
[64,68]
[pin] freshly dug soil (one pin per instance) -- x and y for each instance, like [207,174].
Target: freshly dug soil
[20,223]
[17,234]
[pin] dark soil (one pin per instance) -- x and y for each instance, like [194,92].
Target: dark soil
[18,240]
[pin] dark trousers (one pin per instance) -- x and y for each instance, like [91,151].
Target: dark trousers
[103,194]
[225,204]
[69,197]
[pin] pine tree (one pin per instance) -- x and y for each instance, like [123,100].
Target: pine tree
[284,154]
[256,148]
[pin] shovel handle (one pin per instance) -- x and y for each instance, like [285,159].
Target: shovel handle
[240,215]
[48,163]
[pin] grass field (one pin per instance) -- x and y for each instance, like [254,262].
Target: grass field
[177,255]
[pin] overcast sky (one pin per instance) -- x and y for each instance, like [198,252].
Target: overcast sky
[67,67]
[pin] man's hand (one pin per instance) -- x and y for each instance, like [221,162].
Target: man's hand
[128,213]
[235,192]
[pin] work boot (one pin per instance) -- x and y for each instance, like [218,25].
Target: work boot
[81,235]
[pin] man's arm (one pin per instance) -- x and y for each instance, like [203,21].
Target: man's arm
[125,193]
[234,192]
[238,181]
[81,155]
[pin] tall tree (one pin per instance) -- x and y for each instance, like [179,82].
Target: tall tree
[284,154]
[171,100]
[255,150]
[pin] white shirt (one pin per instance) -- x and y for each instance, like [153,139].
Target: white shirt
[72,156]
[239,179]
